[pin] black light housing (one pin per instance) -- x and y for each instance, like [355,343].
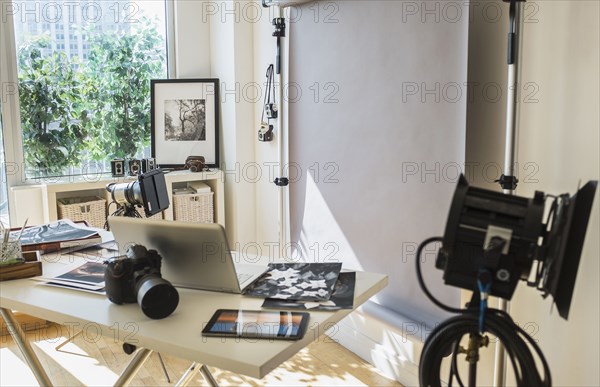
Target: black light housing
[506,235]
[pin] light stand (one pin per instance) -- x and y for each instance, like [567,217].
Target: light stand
[508,181]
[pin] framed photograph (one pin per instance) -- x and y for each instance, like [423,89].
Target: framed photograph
[185,121]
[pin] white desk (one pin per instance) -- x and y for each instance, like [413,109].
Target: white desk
[178,334]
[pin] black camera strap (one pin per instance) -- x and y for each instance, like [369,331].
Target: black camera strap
[269,85]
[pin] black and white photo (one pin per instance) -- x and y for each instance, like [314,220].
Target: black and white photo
[342,297]
[185,121]
[61,230]
[297,281]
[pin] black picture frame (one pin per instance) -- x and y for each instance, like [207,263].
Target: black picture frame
[176,103]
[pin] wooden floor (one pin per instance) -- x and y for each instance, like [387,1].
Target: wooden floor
[92,361]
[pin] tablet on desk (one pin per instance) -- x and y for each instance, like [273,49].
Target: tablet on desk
[281,325]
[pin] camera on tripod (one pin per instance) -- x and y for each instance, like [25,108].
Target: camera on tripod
[149,191]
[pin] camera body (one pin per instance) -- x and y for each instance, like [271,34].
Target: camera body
[135,167]
[148,165]
[265,134]
[135,277]
[271,110]
[117,167]
[195,163]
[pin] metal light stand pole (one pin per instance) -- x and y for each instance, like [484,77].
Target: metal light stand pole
[508,180]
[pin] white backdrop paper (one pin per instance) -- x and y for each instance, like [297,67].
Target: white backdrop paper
[378,132]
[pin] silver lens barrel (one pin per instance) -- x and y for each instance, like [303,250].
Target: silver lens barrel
[126,193]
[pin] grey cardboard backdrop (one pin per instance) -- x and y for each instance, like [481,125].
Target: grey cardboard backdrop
[376,161]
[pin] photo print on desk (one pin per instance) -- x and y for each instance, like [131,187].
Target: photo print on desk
[297,281]
[87,276]
[91,273]
[342,297]
[59,231]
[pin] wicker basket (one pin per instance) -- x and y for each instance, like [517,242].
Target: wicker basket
[158,216]
[92,209]
[197,208]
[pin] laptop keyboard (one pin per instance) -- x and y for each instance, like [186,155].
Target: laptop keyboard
[243,277]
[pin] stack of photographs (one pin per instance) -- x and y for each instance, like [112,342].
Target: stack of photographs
[342,297]
[88,274]
[314,286]
[87,277]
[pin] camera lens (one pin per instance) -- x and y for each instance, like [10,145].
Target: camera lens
[157,297]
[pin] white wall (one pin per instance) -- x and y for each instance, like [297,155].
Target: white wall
[215,40]
[192,39]
[559,146]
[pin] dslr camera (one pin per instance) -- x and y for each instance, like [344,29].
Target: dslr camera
[135,277]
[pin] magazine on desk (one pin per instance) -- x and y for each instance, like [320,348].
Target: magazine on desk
[57,235]
[86,272]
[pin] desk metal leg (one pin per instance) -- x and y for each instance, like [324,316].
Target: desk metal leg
[19,336]
[191,373]
[67,341]
[208,376]
[133,367]
[188,375]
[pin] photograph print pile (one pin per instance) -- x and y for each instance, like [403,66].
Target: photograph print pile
[341,298]
[297,281]
[62,230]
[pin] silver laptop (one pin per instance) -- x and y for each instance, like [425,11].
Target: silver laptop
[195,255]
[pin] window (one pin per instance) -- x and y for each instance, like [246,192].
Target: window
[86,100]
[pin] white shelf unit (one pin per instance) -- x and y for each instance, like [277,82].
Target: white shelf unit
[37,202]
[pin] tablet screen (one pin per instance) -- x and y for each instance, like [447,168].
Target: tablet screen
[257,324]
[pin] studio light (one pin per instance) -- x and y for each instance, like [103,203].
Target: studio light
[506,236]
[493,240]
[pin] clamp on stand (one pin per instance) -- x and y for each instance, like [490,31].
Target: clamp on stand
[478,303]
[279,24]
